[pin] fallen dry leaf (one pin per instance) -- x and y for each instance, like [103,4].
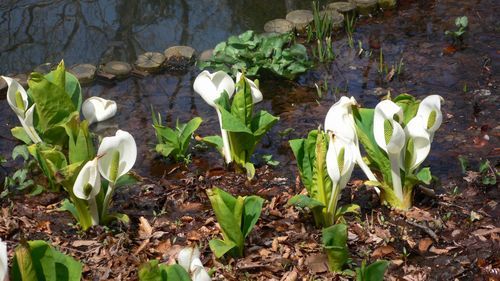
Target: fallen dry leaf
[145,229]
[317,263]
[438,251]
[424,244]
[383,251]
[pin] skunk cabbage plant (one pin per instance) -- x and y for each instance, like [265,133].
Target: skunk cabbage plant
[97,109]
[397,137]
[189,259]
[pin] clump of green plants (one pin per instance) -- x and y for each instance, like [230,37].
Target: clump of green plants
[241,128]
[174,142]
[20,179]
[389,71]
[321,33]
[63,147]
[236,216]
[37,260]
[461,24]
[372,272]
[486,172]
[253,54]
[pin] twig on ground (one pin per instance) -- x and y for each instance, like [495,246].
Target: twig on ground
[426,229]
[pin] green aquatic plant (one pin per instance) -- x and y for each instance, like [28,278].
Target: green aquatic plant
[255,54]
[37,260]
[174,142]
[461,23]
[236,217]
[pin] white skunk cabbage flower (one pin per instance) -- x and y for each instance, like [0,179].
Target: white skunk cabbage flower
[18,101]
[340,161]
[430,111]
[189,259]
[88,182]
[256,93]
[97,109]
[390,136]
[210,87]
[4,263]
[87,185]
[116,155]
[418,144]
[340,121]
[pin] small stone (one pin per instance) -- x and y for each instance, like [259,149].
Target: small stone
[279,26]
[366,7]
[336,18]
[179,58]
[85,73]
[44,68]
[206,55]
[150,62]
[342,7]
[300,19]
[482,92]
[118,68]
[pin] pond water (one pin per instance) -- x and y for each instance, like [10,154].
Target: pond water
[92,31]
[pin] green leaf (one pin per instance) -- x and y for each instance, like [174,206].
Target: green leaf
[335,244]
[251,213]
[232,123]
[53,105]
[154,271]
[409,104]
[20,150]
[39,261]
[262,122]
[228,211]
[20,134]
[304,201]
[71,85]
[127,179]
[220,248]
[187,131]
[424,175]
[373,272]
[348,208]
[464,163]
[303,161]
[176,272]
[242,105]
[165,149]
[250,169]
[215,141]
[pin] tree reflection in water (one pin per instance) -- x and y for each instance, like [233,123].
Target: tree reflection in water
[37,31]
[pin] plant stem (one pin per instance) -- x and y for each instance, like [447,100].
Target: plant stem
[396,177]
[94,212]
[107,199]
[332,204]
[225,140]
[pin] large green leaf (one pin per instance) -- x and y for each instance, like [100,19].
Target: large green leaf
[186,132]
[335,244]
[215,141]
[52,103]
[321,182]
[303,161]
[71,85]
[409,104]
[242,105]
[228,211]
[251,213]
[220,247]
[20,134]
[372,272]
[47,263]
[154,271]
[262,122]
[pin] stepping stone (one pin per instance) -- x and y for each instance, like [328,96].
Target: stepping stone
[150,62]
[336,18]
[342,7]
[279,26]
[85,73]
[206,55]
[44,68]
[366,7]
[387,4]
[119,69]
[300,19]
[179,58]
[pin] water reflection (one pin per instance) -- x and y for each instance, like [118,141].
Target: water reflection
[94,31]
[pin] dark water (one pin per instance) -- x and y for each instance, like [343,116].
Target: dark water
[85,31]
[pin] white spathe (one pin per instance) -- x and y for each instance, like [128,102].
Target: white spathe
[256,93]
[386,111]
[340,121]
[186,257]
[22,111]
[122,143]
[97,109]
[189,259]
[89,174]
[4,263]
[210,87]
[340,161]
[431,105]
[416,132]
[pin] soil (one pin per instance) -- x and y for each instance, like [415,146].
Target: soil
[451,233]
